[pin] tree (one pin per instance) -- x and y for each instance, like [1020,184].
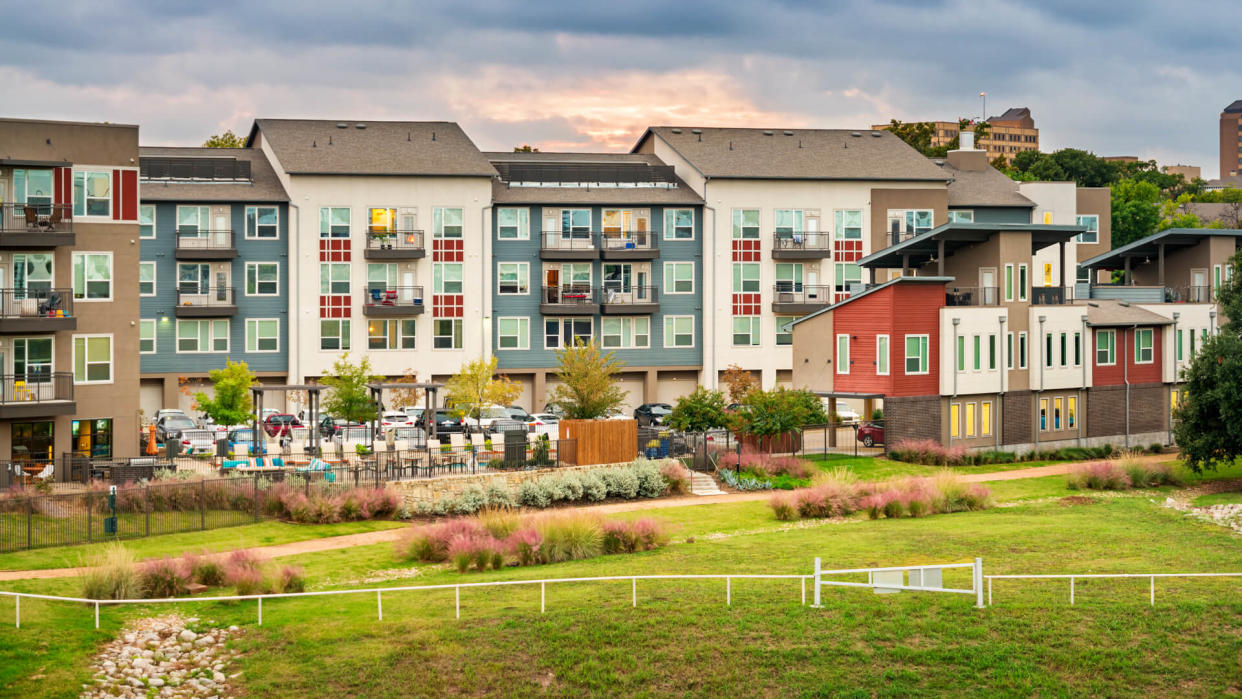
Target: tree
[739,382]
[230,403]
[524,148]
[348,397]
[588,388]
[702,410]
[228,139]
[476,386]
[402,397]
[777,411]
[919,135]
[1136,211]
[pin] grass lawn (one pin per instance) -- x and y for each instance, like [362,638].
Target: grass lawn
[1218,499]
[682,638]
[877,467]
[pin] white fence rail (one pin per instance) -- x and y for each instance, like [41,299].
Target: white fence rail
[923,578]
[1074,577]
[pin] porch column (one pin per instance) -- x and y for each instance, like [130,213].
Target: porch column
[1061,245]
[905,264]
[539,391]
[1128,281]
[1160,263]
[650,386]
[832,428]
[940,257]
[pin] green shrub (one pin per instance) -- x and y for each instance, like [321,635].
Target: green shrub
[111,574]
[622,482]
[651,482]
[593,487]
[499,495]
[533,494]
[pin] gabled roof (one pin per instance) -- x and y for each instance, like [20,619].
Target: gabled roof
[982,188]
[1109,313]
[1012,114]
[263,186]
[1150,246]
[1234,108]
[593,165]
[925,246]
[412,148]
[797,154]
[872,289]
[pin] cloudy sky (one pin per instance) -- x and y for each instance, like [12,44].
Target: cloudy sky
[1144,77]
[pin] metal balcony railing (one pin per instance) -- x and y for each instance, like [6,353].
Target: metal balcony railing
[196,240]
[972,296]
[627,240]
[804,294]
[569,295]
[36,218]
[1189,294]
[801,241]
[380,295]
[36,387]
[36,302]
[567,240]
[1051,295]
[629,294]
[197,296]
[395,240]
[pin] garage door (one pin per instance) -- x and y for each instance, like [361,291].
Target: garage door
[150,397]
[675,384]
[632,384]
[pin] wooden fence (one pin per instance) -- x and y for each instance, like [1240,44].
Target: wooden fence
[601,441]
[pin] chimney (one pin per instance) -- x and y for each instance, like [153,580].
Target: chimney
[966,139]
[967,157]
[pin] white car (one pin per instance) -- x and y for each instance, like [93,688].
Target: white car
[847,414]
[547,423]
[489,417]
[393,419]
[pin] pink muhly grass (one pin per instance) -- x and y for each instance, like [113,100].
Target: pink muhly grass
[1099,475]
[525,544]
[784,505]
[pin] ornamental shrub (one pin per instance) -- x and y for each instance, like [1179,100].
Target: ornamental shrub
[593,487]
[650,481]
[534,494]
[622,482]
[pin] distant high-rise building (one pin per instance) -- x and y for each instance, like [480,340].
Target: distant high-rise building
[1231,140]
[1010,134]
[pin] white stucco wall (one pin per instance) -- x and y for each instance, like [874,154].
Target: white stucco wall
[983,322]
[1191,317]
[1059,319]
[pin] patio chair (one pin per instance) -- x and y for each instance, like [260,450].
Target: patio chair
[32,217]
[377,295]
[390,297]
[233,463]
[46,473]
[457,441]
[58,214]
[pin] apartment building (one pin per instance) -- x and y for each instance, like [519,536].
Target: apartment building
[68,307]
[787,216]
[214,270]
[1010,133]
[597,246]
[1231,140]
[388,243]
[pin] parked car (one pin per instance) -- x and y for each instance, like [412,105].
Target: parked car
[393,418]
[240,440]
[171,425]
[415,414]
[617,414]
[551,408]
[329,426]
[517,412]
[652,414]
[268,412]
[446,421]
[847,415]
[870,434]
[547,423]
[487,419]
[280,424]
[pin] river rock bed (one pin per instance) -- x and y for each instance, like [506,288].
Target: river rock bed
[165,656]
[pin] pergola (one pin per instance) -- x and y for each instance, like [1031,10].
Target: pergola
[1154,247]
[312,392]
[429,401]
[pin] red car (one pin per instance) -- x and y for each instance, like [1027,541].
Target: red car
[870,434]
[280,424]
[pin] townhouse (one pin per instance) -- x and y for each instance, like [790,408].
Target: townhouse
[214,270]
[68,298]
[603,247]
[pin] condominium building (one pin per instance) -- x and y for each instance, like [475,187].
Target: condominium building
[1010,133]
[1231,140]
[214,270]
[68,305]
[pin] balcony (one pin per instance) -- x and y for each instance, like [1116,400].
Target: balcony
[568,300]
[1149,294]
[1051,295]
[629,301]
[194,301]
[972,296]
[577,245]
[35,226]
[628,245]
[800,245]
[394,245]
[36,310]
[392,301]
[205,245]
[36,394]
[800,299]
[1189,294]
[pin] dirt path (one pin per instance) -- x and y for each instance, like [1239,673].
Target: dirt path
[333,543]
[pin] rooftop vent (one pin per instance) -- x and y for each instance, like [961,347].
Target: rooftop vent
[342,125]
[767,133]
[876,134]
[360,126]
[939,162]
[676,130]
[696,130]
[855,134]
[787,133]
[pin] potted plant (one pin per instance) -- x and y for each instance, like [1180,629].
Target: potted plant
[362,449]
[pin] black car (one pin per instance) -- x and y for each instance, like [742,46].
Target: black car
[447,421]
[171,427]
[652,414]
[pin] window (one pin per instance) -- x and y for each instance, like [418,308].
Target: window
[1077,349]
[909,222]
[92,438]
[745,277]
[576,275]
[679,277]
[1177,338]
[1071,412]
[512,333]
[848,274]
[1022,350]
[262,335]
[985,418]
[746,224]
[512,278]
[263,279]
[991,352]
[1144,352]
[1009,350]
[788,221]
[381,275]
[262,222]
[916,354]
[146,221]
[146,336]
[334,222]
[92,276]
[625,333]
[334,278]
[1191,333]
[679,224]
[92,193]
[513,224]
[843,354]
[446,333]
[1009,282]
[92,359]
[33,186]
[961,353]
[679,331]
[970,419]
[193,277]
[201,336]
[146,279]
[446,222]
[1064,354]
[1047,274]
[784,330]
[193,221]
[1022,282]
[334,335]
[32,272]
[1043,413]
[848,224]
[32,359]
[1105,347]
[978,355]
[567,332]
[955,420]
[881,355]
[33,439]
[1056,413]
[575,224]
[745,331]
[961,217]
[788,277]
[390,334]
[1092,235]
[446,277]
[1048,358]
[1083,276]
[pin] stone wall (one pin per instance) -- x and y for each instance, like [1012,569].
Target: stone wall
[432,490]
[1106,410]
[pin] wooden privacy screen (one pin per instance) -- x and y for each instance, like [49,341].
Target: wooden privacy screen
[601,441]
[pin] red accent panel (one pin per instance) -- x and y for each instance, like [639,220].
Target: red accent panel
[58,186]
[876,314]
[1115,375]
[847,250]
[448,305]
[746,304]
[129,199]
[334,250]
[448,250]
[746,251]
[335,306]
[116,195]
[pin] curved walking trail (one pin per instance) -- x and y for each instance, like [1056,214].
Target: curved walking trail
[388,535]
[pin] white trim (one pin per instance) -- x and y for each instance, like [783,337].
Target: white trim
[1023,286]
[328,236]
[843,365]
[523,271]
[246,222]
[112,193]
[86,368]
[1112,350]
[349,279]
[669,265]
[1010,280]
[154,277]
[435,235]
[343,337]
[442,266]
[1152,348]
[693,220]
[755,333]
[522,337]
[246,279]
[759,224]
[926,344]
[256,350]
[627,340]
[389,324]
[664,339]
[434,336]
[155,335]
[73,272]
[1024,343]
[523,233]
[154,225]
[211,338]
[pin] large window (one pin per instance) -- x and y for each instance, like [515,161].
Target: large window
[1144,352]
[262,222]
[1092,235]
[334,334]
[381,275]
[334,222]
[33,186]
[746,331]
[193,221]
[32,271]
[381,220]
[746,224]
[146,336]
[513,224]
[784,330]
[193,277]
[146,279]
[92,193]
[625,333]
[32,359]
[679,331]
[789,277]
[575,224]
[202,336]
[843,354]
[92,276]
[391,334]
[446,333]
[1105,347]
[146,221]
[916,354]
[848,224]
[446,277]
[334,277]
[262,335]
[33,440]
[679,277]
[789,221]
[679,224]
[512,278]
[263,279]
[745,277]
[513,333]
[446,222]
[92,359]
[559,333]
[92,438]
[909,222]
[848,274]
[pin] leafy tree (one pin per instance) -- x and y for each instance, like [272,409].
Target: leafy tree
[349,398]
[1136,211]
[1173,215]
[702,410]
[524,148]
[588,389]
[777,411]
[739,382]
[401,397]
[919,135]
[476,386]
[228,139]
[230,403]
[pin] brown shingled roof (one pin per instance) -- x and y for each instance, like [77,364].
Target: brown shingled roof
[263,186]
[986,187]
[1107,313]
